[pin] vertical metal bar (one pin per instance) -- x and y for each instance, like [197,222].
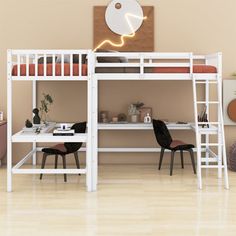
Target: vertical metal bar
[219,113]
[71,65]
[198,135]
[89,153]
[226,180]
[9,117]
[207,96]
[141,65]
[18,64]
[44,65]
[199,161]
[27,64]
[62,64]
[36,64]
[80,65]
[34,104]
[53,65]
[94,103]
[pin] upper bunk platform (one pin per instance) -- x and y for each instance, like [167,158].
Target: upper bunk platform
[80,65]
[156,66]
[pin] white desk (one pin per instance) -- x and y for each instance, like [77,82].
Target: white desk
[46,136]
[23,137]
[142,126]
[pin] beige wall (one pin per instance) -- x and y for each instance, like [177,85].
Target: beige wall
[201,26]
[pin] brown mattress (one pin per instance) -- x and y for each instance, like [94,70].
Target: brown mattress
[176,70]
[49,70]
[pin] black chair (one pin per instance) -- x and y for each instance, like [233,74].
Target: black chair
[65,149]
[164,139]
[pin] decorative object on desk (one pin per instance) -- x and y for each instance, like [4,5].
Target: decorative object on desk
[46,102]
[1,115]
[232,157]
[144,111]
[134,112]
[103,117]
[147,119]
[38,130]
[64,127]
[122,117]
[115,119]
[203,117]
[36,119]
[28,124]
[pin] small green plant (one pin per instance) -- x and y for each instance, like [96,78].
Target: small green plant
[45,103]
[234,74]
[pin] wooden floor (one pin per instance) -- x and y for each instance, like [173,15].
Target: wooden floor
[131,200]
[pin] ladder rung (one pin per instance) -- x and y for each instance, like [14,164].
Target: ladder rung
[205,102]
[210,159]
[208,123]
[211,144]
[204,82]
[212,167]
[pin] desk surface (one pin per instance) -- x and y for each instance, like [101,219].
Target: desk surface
[46,136]
[22,137]
[140,126]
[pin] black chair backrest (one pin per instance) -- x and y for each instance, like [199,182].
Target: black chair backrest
[79,128]
[162,134]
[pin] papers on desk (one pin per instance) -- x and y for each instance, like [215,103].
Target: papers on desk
[42,127]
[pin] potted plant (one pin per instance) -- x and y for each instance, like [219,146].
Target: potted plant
[134,112]
[46,102]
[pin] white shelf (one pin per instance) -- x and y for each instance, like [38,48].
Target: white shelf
[141,126]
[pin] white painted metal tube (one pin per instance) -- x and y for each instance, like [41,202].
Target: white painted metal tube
[24,160]
[49,171]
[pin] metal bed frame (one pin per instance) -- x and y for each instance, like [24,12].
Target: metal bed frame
[207,156]
[17,57]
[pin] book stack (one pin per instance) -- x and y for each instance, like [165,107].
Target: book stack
[60,132]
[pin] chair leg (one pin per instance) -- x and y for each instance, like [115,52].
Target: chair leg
[192,159]
[182,158]
[161,157]
[56,161]
[43,163]
[64,166]
[172,162]
[77,160]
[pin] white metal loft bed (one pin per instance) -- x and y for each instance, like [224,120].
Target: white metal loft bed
[24,65]
[167,66]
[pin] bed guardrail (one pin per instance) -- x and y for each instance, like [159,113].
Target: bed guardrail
[154,65]
[48,64]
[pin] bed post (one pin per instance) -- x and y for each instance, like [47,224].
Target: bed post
[94,92]
[9,122]
[34,104]
[89,130]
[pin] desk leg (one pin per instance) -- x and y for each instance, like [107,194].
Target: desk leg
[34,157]
[9,166]
[9,127]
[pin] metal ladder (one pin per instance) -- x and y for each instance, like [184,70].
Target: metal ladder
[215,152]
